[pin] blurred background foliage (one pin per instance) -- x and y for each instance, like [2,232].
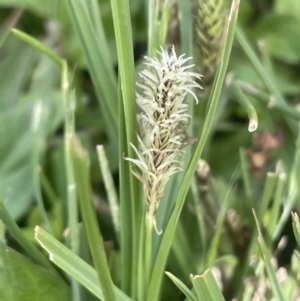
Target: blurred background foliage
[31,114]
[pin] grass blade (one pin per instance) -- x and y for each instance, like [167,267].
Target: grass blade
[164,24]
[37,130]
[292,193]
[271,180]
[246,178]
[186,27]
[267,261]
[216,240]
[99,62]
[247,105]
[28,246]
[131,215]
[206,287]
[287,110]
[153,7]
[296,227]
[81,171]
[200,222]
[122,26]
[261,71]
[277,202]
[38,45]
[73,264]
[69,109]
[189,294]
[126,214]
[110,188]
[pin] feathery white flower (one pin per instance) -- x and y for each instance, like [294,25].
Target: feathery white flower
[163,122]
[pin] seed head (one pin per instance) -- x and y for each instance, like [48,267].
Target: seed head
[209,20]
[163,121]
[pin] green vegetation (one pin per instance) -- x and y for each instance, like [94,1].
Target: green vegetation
[98,198]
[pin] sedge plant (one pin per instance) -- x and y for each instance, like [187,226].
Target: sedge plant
[206,241]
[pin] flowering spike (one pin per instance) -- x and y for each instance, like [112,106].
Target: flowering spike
[163,122]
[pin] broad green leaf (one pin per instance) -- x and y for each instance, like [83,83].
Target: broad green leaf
[281,35]
[21,148]
[17,63]
[17,165]
[287,7]
[20,279]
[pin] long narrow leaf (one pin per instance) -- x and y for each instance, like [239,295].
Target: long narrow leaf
[38,45]
[275,210]
[153,27]
[130,240]
[276,289]
[17,234]
[245,102]
[189,294]
[206,287]
[164,24]
[81,171]
[73,265]
[122,26]
[268,192]
[99,62]
[69,110]
[292,191]
[296,227]
[126,208]
[110,188]
[186,26]
[262,72]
